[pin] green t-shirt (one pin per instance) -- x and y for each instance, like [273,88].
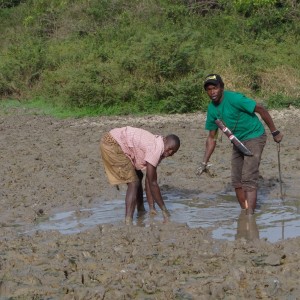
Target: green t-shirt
[237,113]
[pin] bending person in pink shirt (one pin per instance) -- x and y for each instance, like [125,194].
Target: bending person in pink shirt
[125,152]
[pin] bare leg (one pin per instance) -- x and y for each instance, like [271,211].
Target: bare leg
[246,227]
[251,197]
[130,200]
[140,198]
[241,196]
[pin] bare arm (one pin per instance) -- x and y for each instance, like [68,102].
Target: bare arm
[210,145]
[152,188]
[265,116]
[269,121]
[150,199]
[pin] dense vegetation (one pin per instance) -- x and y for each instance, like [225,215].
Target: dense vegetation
[147,56]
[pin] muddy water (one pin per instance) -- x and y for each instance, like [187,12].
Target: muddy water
[274,220]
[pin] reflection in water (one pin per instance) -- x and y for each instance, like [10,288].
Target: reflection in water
[247,227]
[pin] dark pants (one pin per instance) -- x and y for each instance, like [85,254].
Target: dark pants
[245,169]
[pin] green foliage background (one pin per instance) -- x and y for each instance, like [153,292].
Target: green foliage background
[147,56]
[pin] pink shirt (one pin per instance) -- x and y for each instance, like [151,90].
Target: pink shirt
[139,145]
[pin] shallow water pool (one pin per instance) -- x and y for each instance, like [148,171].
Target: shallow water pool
[274,220]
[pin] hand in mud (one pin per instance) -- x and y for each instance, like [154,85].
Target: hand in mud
[203,168]
[153,212]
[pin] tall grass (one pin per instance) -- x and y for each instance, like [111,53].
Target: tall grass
[147,56]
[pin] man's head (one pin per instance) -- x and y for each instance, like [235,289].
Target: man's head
[172,144]
[214,86]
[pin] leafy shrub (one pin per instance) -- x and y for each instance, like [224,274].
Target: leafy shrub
[186,95]
[9,3]
[281,101]
[5,88]
[142,56]
[249,7]
[167,56]
[82,87]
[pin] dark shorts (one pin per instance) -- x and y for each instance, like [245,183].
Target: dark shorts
[245,169]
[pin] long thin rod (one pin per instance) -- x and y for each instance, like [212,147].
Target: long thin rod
[279,169]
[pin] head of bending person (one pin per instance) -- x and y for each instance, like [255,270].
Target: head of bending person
[171,145]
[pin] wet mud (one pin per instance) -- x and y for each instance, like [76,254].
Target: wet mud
[62,232]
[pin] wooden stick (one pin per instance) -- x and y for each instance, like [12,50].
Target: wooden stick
[279,169]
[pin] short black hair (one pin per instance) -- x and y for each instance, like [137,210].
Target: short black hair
[174,138]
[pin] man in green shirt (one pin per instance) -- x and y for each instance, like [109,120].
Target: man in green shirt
[238,113]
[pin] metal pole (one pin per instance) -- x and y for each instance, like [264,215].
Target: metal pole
[279,169]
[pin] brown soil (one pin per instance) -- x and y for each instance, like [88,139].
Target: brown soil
[50,165]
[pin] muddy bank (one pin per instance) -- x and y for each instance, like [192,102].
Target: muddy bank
[158,262]
[50,166]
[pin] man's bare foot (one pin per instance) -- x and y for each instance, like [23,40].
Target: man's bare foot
[153,212]
[141,213]
[128,221]
[141,210]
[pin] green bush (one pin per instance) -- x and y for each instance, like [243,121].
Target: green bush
[167,56]
[9,3]
[145,56]
[281,101]
[187,95]
[249,7]
[6,88]
[82,86]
